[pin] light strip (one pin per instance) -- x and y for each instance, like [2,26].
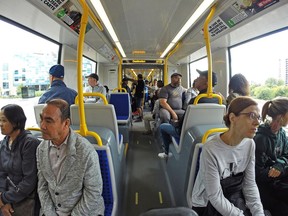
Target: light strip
[102,14]
[195,16]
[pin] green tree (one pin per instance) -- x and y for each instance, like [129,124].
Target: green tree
[271,82]
[264,93]
[281,91]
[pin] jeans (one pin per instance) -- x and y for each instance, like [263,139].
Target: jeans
[167,130]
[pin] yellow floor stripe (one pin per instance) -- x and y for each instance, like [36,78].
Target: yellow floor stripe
[160,198]
[150,142]
[137,142]
[136,198]
[126,149]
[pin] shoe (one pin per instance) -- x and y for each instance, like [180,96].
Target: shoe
[147,133]
[164,155]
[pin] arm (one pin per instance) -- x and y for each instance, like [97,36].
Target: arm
[47,204]
[29,178]
[165,105]
[91,202]
[250,189]
[212,184]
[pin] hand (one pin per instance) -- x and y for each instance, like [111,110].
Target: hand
[174,116]
[273,172]
[7,210]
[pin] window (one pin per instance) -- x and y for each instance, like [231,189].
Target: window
[201,64]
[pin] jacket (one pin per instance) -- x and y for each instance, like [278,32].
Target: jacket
[271,151]
[79,188]
[58,89]
[19,164]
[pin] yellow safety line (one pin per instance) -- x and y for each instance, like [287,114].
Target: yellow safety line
[160,198]
[126,149]
[136,198]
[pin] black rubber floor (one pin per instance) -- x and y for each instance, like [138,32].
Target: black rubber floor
[146,185]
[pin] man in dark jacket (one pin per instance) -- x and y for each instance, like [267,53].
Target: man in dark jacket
[58,88]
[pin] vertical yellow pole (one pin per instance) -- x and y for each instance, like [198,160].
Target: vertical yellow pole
[119,68]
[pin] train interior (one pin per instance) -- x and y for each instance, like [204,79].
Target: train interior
[136,180]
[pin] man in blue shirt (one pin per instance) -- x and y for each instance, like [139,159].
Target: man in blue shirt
[58,88]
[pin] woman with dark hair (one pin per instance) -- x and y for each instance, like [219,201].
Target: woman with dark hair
[272,156]
[18,172]
[225,184]
[238,86]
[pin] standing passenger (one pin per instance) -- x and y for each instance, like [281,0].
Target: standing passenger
[69,174]
[94,86]
[18,170]
[227,163]
[58,88]
[272,157]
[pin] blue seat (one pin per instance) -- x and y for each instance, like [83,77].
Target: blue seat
[122,106]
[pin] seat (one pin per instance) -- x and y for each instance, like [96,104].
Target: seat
[98,115]
[200,114]
[195,165]
[111,186]
[122,105]
[37,111]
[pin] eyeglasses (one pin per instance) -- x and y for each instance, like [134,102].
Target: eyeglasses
[252,116]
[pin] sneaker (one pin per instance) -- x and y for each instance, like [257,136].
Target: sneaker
[164,155]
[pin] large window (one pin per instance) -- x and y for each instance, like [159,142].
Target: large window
[264,62]
[201,64]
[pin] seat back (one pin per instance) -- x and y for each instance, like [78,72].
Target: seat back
[37,111]
[195,165]
[122,106]
[200,114]
[109,192]
[98,115]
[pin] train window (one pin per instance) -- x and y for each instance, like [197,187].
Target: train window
[201,64]
[264,62]
[89,66]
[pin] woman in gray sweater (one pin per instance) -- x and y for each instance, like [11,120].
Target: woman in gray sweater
[225,184]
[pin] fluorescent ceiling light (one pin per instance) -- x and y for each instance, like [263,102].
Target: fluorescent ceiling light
[195,16]
[101,12]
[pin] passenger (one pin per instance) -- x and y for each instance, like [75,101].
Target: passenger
[227,164]
[272,157]
[171,99]
[191,92]
[94,86]
[107,92]
[155,95]
[238,86]
[69,173]
[18,170]
[139,95]
[125,86]
[58,88]
[201,83]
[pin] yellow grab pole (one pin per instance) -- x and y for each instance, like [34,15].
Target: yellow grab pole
[119,67]
[208,49]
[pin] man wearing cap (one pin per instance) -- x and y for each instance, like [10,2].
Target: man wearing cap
[58,88]
[125,86]
[201,83]
[171,99]
[94,86]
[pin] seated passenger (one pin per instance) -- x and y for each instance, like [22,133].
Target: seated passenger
[238,86]
[201,83]
[18,170]
[151,117]
[225,184]
[94,86]
[191,92]
[272,157]
[171,99]
[58,88]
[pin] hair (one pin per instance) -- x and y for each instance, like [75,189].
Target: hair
[275,107]
[239,84]
[15,115]
[107,89]
[236,106]
[63,106]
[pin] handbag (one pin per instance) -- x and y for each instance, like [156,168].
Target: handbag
[232,190]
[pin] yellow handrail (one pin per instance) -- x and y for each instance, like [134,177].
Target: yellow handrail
[211,131]
[208,50]
[119,67]
[92,94]
[33,129]
[83,127]
[121,89]
[208,96]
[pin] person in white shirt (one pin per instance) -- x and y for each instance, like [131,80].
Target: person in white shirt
[94,86]
[230,156]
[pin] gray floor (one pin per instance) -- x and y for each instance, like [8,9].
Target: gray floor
[146,184]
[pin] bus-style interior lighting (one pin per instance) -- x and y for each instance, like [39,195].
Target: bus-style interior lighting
[195,16]
[101,12]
